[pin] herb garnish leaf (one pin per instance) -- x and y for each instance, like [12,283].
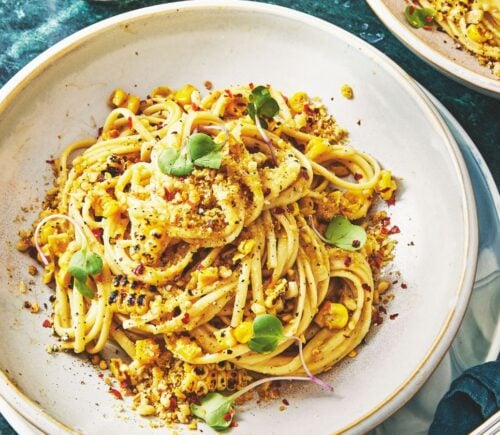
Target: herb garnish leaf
[262,105]
[419,17]
[267,333]
[215,409]
[167,159]
[82,264]
[201,150]
[341,233]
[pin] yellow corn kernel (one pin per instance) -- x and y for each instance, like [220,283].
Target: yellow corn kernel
[297,101]
[183,95]
[316,147]
[187,349]
[332,316]
[243,332]
[208,276]
[383,286]
[146,351]
[386,185]
[244,248]
[133,103]
[45,232]
[110,207]
[225,338]
[118,97]
[347,92]
[476,33]
[161,91]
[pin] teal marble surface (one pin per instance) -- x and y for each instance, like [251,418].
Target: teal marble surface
[31,26]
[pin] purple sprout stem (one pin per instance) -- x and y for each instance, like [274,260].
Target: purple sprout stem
[266,139]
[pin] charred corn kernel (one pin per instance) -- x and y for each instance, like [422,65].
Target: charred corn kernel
[476,33]
[383,286]
[385,185]
[183,95]
[316,147]
[347,92]
[110,207]
[161,91]
[35,308]
[225,338]
[297,101]
[133,103]
[243,332]
[208,276]
[146,351]
[118,97]
[332,316]
[95,359]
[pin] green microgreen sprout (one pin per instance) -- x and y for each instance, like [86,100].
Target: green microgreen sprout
[82,263]
[262,107]
[420,17]
[342,233]
[201,150]
[216,409]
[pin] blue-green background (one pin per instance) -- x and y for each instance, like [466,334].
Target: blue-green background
[28,27]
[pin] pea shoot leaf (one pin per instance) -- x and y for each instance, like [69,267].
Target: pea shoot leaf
[201,150]
[419,17]
[82,265]
[267,333]
[262,105]
[167,159]
[216,410]
[341,233]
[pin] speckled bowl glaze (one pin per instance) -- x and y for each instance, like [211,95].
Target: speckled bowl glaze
[61,96]
[437,49]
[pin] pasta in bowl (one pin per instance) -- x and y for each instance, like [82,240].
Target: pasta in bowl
[191,220]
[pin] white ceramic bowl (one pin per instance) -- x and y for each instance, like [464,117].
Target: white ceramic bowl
[61,96]
[437,49]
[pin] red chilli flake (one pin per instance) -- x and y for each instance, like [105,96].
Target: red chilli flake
[386,221]
[412,9]
[50,162]
[394,230]
[347,261]
[116,393]
[169,195]
[356,243]
[403,285]
[382,309]
[391,200]
[384,230]
[366,287]
[286,402]
[186,319]
[195,107]
[393,316]
[139,269]
[47,323]
[429,19]
[129,122]
[357,176]
[227,416]
[228,93]
[279,210]
[97,232]
[172,406]
[308,109]
[251,85]
[427,27]
[234,424]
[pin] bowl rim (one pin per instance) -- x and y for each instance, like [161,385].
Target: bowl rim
[40,418]
[454,70]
